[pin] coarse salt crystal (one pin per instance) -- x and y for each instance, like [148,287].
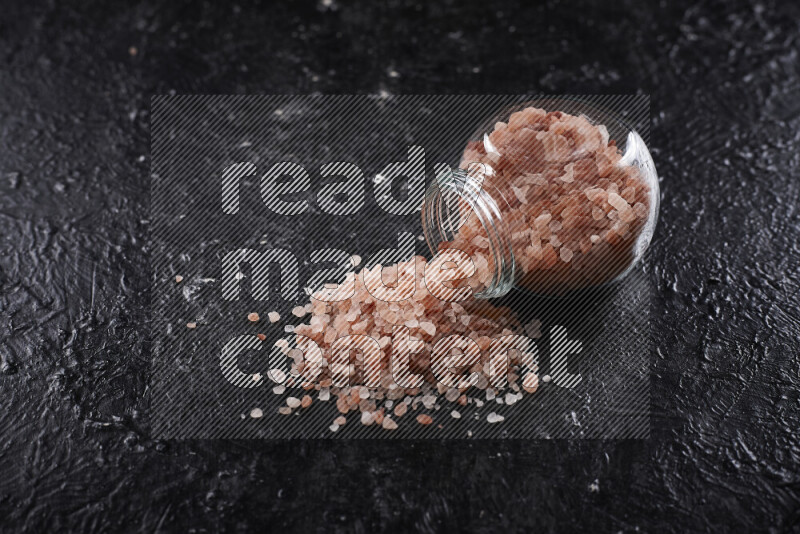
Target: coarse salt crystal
[618,202]
[494,418]
[530,383]
[277,375]
[428,327]
[389,424]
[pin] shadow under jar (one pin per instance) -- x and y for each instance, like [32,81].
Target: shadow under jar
[553,195]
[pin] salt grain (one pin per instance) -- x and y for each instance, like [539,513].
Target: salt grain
[401,409]
[424,419]
[530,383]
[494,418]
[389,424]
[277,375]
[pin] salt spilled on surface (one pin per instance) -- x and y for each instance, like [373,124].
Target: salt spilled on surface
[424,320]
[574,215]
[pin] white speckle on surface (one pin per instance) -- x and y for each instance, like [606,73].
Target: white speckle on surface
[574,418]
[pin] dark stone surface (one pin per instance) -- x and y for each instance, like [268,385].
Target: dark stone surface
[74,449]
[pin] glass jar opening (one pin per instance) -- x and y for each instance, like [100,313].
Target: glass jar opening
[462,201]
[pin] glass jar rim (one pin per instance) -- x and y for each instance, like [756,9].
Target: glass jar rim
[443,215]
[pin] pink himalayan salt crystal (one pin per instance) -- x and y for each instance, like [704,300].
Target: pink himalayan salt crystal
[519,192]
[273,317]
[566,254]
[389,424]
[428,327]
[494,418]
[618,202]
[424,419]
[530,383]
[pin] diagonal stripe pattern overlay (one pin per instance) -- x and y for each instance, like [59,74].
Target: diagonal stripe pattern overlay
[259,200]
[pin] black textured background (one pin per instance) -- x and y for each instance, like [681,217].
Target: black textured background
[74,452]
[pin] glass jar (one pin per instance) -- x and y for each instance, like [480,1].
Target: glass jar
[553,195]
